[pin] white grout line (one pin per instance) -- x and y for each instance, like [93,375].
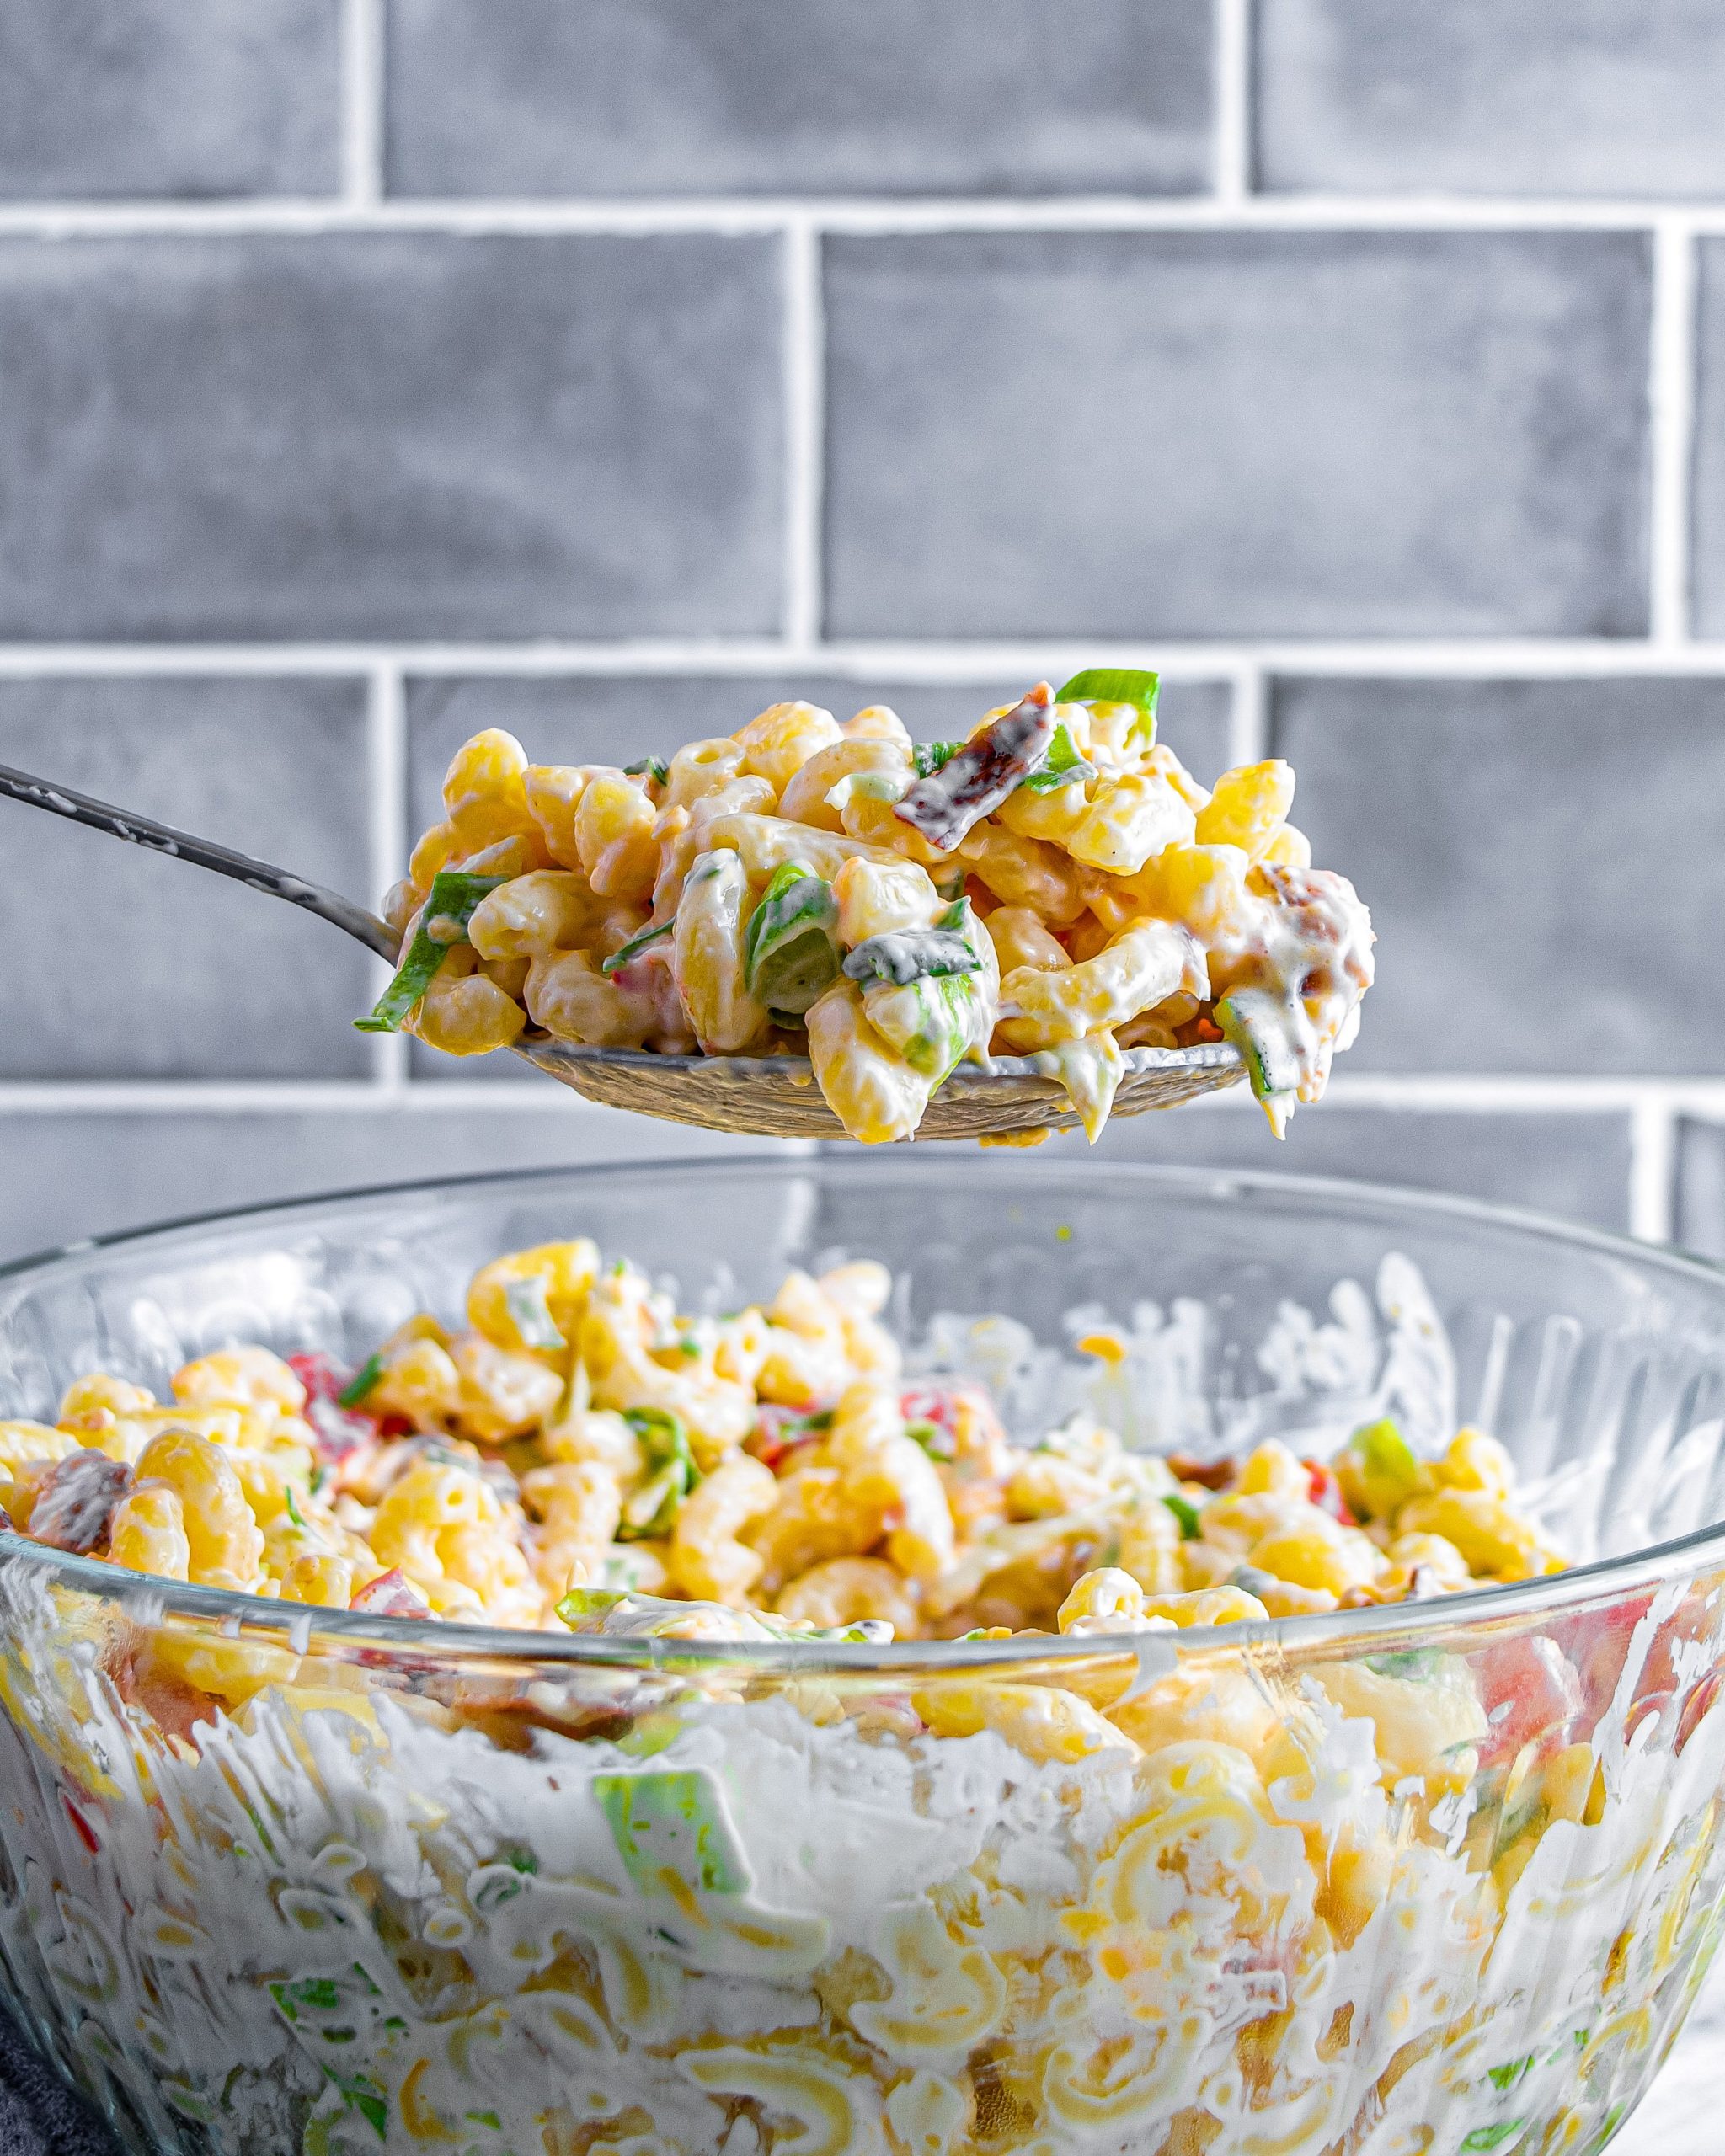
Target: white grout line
[387,746]
[1249,716]
[755,215]
[805,435]
[1232,92]
[1671,403]
[277,1097]
[362,106]
[1653,1167]
[955,659]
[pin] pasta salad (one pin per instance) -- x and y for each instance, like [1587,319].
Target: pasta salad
[1056,887]
[581,1452]
[1181,1878]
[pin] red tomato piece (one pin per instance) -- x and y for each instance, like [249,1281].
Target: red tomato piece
[1529,1688]
[81,1826]
[1325,1491]
[321,1374]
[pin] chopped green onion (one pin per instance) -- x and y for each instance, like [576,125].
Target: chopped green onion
[590,1602]
[364,1380]
[928,756]
[790,947]
[904,955]
[1416,1665]
[1486,2137]
[373,2107]
[1505,2077]
[1379,1471]
[454,898]
[1185,1512]
[644,939]
[1062,765]
[1118,685]
[526,1304]
[293,1510]
[674,1829]
[1255,1022]
[935,1442]
[671,1473]
[653,767]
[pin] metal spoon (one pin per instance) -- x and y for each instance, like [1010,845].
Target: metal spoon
[770,1097]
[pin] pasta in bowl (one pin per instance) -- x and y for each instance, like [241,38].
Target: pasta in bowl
[1056,896]
[1429,1862]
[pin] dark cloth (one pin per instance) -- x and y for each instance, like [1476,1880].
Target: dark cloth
[38,2114]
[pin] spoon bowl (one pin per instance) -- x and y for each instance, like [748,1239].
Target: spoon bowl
[776,1096]
[768,1097]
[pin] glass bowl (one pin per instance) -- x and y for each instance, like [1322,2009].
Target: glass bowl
[1441,1877]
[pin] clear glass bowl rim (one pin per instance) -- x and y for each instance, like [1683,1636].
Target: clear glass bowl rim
[454,1648]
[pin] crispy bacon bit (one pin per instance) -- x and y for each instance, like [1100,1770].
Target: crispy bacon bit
[1209,1473]
[392,1594]
[970,786]
[76,1501]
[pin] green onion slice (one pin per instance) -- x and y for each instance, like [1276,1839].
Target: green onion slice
[454,898]
[1185,1512]
[674,1830]
[653,767]
[790,947]
[1118,685]
[1062,765]
[364,1380]
[642,940]
[671,1473]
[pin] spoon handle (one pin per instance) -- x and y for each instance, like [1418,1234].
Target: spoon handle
[161,838]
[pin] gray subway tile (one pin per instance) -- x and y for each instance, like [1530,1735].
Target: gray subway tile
[649,97]
[169,97]
[1700,1187]
[1542,862]
[1709,455]
[1575,1167]
[1609,97]
[565,718]
[1413,434]
[389,435]
[120,964]
[68,1175]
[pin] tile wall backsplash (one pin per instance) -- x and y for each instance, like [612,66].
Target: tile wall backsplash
[373,371]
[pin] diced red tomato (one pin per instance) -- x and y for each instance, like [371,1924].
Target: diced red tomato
[321,1374]
[1528,1689]
[1325,1491]
[1698,1704]
[1600,1642]
[777,1432]
[81,1826]
[930,1403]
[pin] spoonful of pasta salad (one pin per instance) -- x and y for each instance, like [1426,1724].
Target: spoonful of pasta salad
[809,928]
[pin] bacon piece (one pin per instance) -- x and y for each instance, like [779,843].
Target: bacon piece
[991,764]
[76,1500]
[392,1594]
